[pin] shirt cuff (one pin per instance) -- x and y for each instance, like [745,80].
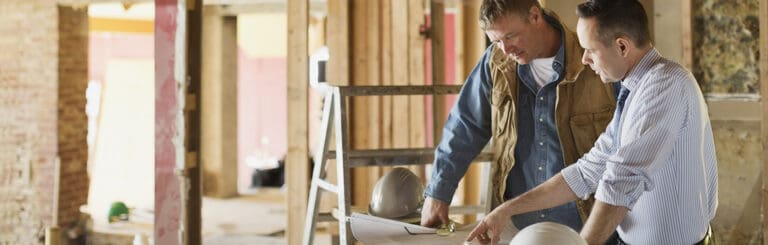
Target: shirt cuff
[574,179]
[441,189]
[624,192]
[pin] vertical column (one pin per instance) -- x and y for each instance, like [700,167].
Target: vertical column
[296,163]
[219,104]
[764,123]
[72,121]
[177,121]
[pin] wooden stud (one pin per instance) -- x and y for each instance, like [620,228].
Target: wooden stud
[338,42]
[400,76]
[373,39]
[386,72]
[437,40]
[763,18]
[416,76]
[360,120]
[298,146]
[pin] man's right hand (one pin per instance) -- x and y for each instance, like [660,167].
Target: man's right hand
[434,213]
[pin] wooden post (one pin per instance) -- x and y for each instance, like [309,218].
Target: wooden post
[360,122]
[219,104]
[374,12]
[297,164]
[416,76]
[52,233]
[764,123]
[338,42]
[437,40]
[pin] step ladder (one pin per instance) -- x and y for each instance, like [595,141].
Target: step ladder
[335,110]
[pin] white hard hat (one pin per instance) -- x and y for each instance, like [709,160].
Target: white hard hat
[397,194]
[547,233]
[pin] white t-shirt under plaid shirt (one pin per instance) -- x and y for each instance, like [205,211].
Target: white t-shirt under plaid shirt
[663,167]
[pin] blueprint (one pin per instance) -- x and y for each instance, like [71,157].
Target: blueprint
[375,230]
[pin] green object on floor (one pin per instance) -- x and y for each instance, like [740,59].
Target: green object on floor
[117,212]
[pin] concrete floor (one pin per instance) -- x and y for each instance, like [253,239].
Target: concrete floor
[256,218]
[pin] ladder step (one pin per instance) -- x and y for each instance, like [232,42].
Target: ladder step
[325,185]
[325,217]
[399,90]
[388,157]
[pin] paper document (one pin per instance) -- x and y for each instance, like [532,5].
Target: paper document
[376,230]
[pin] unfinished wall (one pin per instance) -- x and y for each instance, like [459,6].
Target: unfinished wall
[725,45]
[28,105]
[738,155]
[72,121]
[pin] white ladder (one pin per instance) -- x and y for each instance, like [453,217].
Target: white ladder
[335,109]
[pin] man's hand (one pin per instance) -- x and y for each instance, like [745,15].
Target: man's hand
[494,223]
[434,213]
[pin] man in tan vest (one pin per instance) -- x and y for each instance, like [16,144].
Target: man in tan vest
[533,98]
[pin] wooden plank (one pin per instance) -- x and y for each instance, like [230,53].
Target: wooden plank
[400,73]
[373,39]
[296,162]
[437,40]
[219,105]
[416,110]
[338,42]
[360,121]
[687,15]
[764,124]
[386,72]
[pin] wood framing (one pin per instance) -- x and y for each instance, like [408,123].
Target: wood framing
[219,104]
[437,41]
[764,124]
[338,42]
[400,121]
[416,76]
[297,165]
[374,41]
[360,120]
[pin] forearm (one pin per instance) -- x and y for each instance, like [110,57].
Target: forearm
[602,222]
[552,193]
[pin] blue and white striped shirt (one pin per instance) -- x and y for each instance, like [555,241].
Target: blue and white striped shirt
[663,167]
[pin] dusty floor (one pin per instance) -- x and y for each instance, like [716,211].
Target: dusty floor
[256,218]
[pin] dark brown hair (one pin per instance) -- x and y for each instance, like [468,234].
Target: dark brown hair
[617,18]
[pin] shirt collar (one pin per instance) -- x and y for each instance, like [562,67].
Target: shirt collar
[632,80]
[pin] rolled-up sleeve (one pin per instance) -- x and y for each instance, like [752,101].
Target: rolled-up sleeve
[584,176]
[466,132]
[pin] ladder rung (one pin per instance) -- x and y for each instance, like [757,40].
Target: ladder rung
[325,217]
[387,157]
[325,185]
[400,90]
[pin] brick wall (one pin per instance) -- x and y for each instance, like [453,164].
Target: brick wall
[72,121]
[29,91]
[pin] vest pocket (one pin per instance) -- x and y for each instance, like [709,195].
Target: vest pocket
[587,127]
[502,110]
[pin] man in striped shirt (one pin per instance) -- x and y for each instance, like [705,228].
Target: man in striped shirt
[653,170]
